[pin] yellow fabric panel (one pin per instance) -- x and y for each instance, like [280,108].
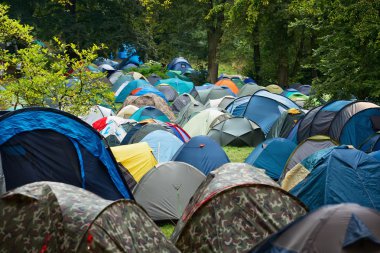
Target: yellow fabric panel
[294,176]
[137,158]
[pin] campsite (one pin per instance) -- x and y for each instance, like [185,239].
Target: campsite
[247,126]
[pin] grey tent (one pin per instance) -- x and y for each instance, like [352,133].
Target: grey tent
[214,93]
[249,89]
[222,103]
[145,130]
[169,92]
[154,78]
[306,148]
[167,188]
[188,112]
[344,228]
[181,101]
[285,123]
[237,132]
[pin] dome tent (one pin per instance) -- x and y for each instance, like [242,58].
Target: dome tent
[285,123]
[237,132]
[236,207]
[306,148]
[170,93]
[203,153]
[42,144]
[215,92]
[167,188]
[146,129]
[179,64]
[55,217]
[229,84]
[271,155]
[339,175]
[330,229]
[149,112]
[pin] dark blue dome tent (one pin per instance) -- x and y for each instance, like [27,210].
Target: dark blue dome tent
[203,153]
[179,64]
[129,56]
[43,144]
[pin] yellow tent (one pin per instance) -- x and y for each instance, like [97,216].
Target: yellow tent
[274,88]
[137,158]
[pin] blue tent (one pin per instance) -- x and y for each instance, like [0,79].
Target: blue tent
[340,175]
[375,155]
[149,112]
[238,106]
[40,144]
[179,85]
[179,64]
[271,155]
[265,108]
[203,153]
[140,83]
[371,144]
[120,81]
[164,145]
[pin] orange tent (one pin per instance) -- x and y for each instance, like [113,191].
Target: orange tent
[228,83]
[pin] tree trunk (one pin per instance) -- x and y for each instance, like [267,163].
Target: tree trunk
[213,39]
[256,54]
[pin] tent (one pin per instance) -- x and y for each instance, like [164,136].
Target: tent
[127,111]
[164,144]
[179,85]
[371,144]
[347,122]
[229,84]
[203,153]
[42,144]
[271,155]
[167,188]
[146,129]
[150,100]
[375,154]
[285,123]
[149,112]
[202,122]
[97,112]
[249,89]
[305,89]
[137,158]
[179,64]
[237,132]
[55,217]
[238,106]
[306,148]
[340,175]
[187,112]
[170,93]
[330,229]
[264,108]
[181,101]
[236,207]
[122,94]
[148,90]
[214,93]
[221,103]
[274,88]
[153,78]
[137,76]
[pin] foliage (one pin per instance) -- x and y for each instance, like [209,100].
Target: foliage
[167,229]
[149,68]
[237,154]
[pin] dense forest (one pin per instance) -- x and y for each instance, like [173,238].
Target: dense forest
[332,44]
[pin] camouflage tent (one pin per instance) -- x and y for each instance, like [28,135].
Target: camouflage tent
[55,217]
[234,209]
[150,100]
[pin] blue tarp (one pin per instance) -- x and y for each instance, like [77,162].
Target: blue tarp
[271,155]
[341,175]
[78,132]
[203,153]
[164,145]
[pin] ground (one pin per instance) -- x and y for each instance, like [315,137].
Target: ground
[236,154]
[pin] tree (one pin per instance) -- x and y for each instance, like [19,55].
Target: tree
[50,78]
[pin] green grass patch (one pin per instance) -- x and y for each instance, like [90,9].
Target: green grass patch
[167,229]
[237,154]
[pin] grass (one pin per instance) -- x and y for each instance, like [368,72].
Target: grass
[237,155]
